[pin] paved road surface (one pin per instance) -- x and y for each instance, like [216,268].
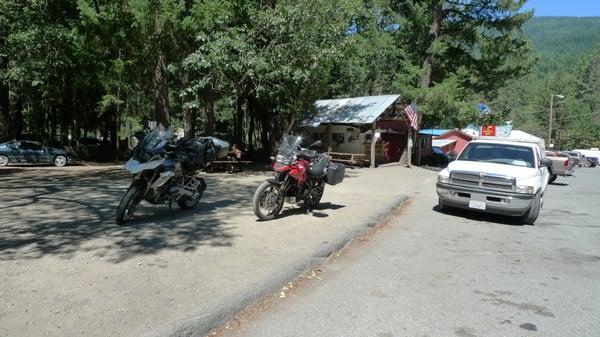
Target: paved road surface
[457,274]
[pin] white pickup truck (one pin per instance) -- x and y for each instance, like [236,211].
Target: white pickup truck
[497,175]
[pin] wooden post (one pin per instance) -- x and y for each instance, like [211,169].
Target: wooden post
[373,143]
[409,144]
[420,149]
[329,138]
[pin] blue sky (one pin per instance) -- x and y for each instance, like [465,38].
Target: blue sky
[564,7]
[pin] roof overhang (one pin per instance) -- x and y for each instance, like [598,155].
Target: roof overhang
[356,111]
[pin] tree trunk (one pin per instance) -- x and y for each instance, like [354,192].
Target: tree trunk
[265,124]
[250,142]
[189,122]
[189,112]
[434,33]
[53,125]
[4,97]
[114,132]
[161,91]
[209,110]
[252,112]
[17,120]
[76,125]
[239,121]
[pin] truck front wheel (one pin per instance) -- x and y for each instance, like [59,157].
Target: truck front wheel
[532,214]
[442,207]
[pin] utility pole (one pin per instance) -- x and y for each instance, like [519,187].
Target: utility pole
[550,117]
[550,122]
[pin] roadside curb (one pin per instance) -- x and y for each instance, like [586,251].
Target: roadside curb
[199,324]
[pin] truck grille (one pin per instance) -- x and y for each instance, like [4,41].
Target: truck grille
[483,180]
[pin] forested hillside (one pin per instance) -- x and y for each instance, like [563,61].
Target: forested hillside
[561,41]
[568,51]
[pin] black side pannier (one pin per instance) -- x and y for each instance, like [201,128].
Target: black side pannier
[198,153]
[335,173]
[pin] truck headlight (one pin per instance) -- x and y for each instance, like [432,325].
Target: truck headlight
[525,189]
[443,179]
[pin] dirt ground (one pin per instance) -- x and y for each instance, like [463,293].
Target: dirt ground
[68,269]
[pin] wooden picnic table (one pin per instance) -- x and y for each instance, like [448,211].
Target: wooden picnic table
[226,164]
[348,158]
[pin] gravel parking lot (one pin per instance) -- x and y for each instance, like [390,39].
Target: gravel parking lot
[68,269]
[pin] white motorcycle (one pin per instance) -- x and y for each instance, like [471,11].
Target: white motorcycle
[164,171]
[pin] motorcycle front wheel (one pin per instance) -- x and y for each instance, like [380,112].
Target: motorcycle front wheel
[267,201]
[128,204]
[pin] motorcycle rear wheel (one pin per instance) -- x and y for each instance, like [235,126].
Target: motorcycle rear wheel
[267,201]
[128,204]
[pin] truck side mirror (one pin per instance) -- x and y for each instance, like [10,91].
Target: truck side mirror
[545,162]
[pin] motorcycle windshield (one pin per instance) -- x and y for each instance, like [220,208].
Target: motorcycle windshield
[289,145]
[155,140]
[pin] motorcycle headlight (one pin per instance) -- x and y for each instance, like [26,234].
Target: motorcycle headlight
[525,189]
[282,159]
[443,179]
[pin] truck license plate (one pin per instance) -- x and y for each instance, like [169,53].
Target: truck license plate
[476,204]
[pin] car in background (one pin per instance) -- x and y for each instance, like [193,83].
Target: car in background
[593,161]
[577,158]
[31,152]
[591,156]
[562,165]
[437,158]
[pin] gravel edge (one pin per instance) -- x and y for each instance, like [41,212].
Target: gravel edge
[199,324]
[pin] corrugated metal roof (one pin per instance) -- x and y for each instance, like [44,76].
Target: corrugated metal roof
[433,132]
[357,110]
[442,142]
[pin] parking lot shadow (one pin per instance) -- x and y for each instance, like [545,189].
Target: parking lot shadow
[61,213]
[481,216]
[317,213]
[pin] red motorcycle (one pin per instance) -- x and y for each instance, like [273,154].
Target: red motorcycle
[301,174]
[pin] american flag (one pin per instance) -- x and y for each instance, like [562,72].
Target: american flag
[411,113]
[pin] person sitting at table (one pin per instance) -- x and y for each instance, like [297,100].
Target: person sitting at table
[235,154]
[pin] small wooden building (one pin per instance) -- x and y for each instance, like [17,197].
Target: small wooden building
[453,140]
[371,129]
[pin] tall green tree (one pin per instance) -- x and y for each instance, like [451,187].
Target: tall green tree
[4,90]
[478,45]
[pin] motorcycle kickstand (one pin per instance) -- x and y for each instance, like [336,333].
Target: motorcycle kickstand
[309,210]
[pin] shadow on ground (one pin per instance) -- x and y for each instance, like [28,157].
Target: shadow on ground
[481,216]
[298,209]
[60,213]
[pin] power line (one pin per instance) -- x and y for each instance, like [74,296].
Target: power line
[545,120]
[582,115]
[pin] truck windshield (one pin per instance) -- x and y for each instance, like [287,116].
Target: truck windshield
[499,154]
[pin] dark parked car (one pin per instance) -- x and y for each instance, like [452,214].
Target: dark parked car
[593,161]
[437,158]
[30,152]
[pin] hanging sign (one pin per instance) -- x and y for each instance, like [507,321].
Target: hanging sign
[488,130]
